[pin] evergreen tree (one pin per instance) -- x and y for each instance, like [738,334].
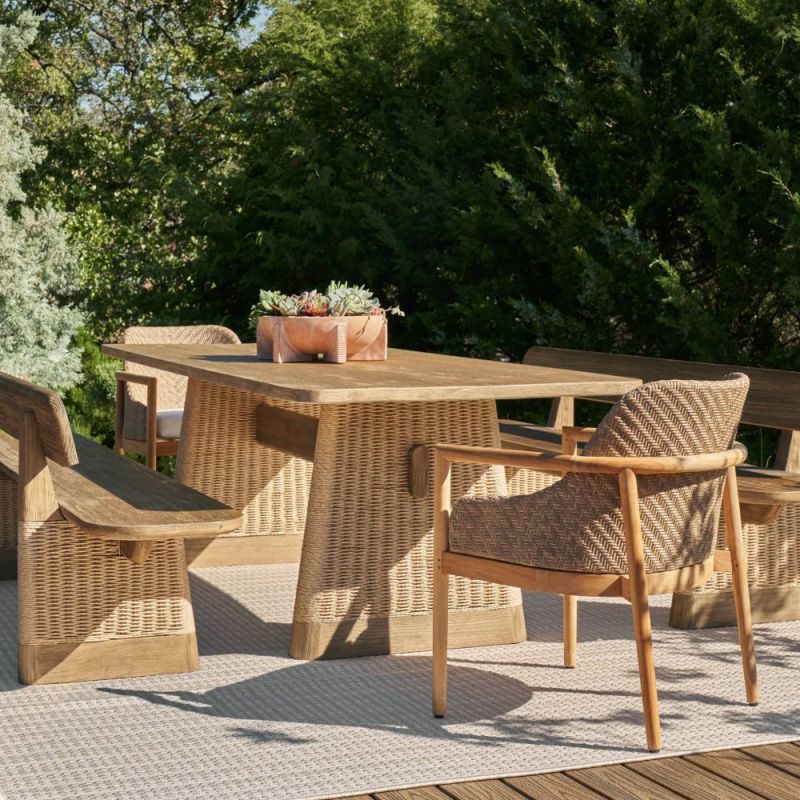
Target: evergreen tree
[37,266]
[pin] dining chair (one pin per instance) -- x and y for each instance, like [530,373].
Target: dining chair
[149,404]
[635,514]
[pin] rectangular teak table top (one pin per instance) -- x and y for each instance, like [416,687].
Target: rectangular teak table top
[407,376]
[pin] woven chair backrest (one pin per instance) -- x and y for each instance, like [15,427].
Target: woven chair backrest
[19,397]
[171,387]
[679,513]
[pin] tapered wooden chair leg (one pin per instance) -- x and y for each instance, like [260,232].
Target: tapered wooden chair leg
[440,645]
[741,591]
[440,584]
[640,607]
[570,629]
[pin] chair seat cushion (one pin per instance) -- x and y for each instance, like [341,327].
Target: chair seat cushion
[168,423]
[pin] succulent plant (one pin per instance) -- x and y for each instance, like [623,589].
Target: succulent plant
[289,305]
[339,300]
[268,301]
[314,304]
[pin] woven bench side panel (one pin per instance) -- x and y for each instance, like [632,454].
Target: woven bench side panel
[773,553]
[171,387]
[369,542]
[221,457]
[75,587]
[8,513]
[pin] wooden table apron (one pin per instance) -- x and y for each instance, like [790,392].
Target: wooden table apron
[364,584]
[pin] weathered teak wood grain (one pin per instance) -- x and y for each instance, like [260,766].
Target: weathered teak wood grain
[114,498]
[406,376]
[287,431]
[18,397]
[772,402]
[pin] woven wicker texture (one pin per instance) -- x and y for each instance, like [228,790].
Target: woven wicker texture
[171,387]
[528,481]
[75,587]
[8,513]
[576,524]
[220,456]
[369,543]
[773,553]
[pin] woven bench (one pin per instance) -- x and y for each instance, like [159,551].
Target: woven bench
[103,584]
[769,498]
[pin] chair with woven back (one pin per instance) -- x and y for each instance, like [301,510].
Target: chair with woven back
[150,402]
[635,514]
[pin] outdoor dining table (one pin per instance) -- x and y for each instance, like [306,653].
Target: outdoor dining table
[364,584]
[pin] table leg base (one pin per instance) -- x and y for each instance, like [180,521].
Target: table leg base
[691,611]
[229,551]
[409,634]
[64,662]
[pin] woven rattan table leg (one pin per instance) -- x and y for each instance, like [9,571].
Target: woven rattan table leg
[220,456]
[773,567]
[365,583]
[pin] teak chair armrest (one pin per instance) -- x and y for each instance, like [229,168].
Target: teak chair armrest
[151,382]
[571,435]
[591,465]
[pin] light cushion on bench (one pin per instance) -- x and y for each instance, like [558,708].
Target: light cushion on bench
[168,423]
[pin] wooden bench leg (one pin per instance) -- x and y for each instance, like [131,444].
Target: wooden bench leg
[85,612]
[88,613]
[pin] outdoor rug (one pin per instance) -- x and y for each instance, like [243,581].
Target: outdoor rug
[253,723]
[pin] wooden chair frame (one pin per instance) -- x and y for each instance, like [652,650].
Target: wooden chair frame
[635,587]
[152,447]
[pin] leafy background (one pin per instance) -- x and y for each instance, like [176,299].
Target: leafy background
[619,175]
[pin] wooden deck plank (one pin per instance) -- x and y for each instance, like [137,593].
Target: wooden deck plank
[552,786]
[617,782]
[422,793]
[750,773]
[783,756]
[690,780]
[482,790]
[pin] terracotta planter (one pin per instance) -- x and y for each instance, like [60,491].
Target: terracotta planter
[333,339]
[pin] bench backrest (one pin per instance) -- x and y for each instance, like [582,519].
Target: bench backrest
[19,397]
[773,400]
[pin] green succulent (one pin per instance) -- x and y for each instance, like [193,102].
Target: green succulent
[289,305]
[339,300]
[351,301]
[269,300]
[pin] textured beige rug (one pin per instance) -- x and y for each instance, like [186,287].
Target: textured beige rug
[255,724]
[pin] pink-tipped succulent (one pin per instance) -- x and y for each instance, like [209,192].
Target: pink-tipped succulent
[314,304]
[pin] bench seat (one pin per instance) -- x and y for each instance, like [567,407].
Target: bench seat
[111,497]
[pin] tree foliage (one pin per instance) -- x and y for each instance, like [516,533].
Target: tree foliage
[617,175]
[37,267]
